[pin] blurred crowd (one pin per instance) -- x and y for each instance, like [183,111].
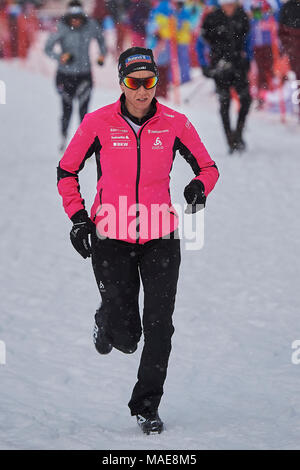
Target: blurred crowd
[18,25]
[174,30]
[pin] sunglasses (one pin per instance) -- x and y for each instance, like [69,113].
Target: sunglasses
[135,83]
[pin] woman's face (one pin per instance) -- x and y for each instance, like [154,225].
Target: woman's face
[139,100]
[75,22]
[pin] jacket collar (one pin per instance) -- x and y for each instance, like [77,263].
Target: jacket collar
[121,109]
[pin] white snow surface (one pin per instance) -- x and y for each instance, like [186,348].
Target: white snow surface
[231,383]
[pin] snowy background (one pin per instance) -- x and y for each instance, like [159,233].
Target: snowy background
[231,382]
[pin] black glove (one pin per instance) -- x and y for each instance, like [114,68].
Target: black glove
[194,195]
[207,71]
[79,235]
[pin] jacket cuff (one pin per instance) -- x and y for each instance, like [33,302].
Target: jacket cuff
[80,216]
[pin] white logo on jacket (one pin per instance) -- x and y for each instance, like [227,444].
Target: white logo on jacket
[120,137]
[101,287]
[169,115]
[118,129]
[120,144]
[158,132]
[157,144]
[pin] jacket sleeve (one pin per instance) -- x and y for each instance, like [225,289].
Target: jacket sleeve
[246,25]
[98,35]
[50,43]
[208,30]
[194,152]
[82,146]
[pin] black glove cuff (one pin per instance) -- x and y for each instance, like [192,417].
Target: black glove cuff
[199,184]
[80,216]
[196,185]
[194,194]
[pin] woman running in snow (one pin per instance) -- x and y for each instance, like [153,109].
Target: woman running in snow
[133,225]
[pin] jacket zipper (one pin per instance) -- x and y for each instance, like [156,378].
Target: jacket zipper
[138,173]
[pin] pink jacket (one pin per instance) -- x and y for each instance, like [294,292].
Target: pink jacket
[132,202]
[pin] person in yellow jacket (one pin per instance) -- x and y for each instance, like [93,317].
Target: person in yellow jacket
[184,38]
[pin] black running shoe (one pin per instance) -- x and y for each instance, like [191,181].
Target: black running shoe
[150,423]
[241,146]
[102,345]
[239,143]
[127,350]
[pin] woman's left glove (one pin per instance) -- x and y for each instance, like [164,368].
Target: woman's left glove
[79,235]
[195,196]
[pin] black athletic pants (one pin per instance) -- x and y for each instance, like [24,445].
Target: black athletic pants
[118,267]
[239,81]
[70,87]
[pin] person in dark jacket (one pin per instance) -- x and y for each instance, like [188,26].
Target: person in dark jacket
[289,34]
[74,80]
[226,29]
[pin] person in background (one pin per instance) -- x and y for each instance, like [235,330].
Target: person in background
[158,39]
[138,15]
[118,11]
[289,34]
[195,9]
[184,38]
[201,46]
[4,31]
[226,29]
[261,14]
[135,141]
[74,79]
[100,11]
[14,12]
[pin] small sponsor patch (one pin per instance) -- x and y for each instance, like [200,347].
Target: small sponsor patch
[158,132]
[137,58]
[142,67]
[120,137]
[118,129]
[169,115]
[120,144]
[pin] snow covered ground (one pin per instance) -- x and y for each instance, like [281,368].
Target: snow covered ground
[231,382]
